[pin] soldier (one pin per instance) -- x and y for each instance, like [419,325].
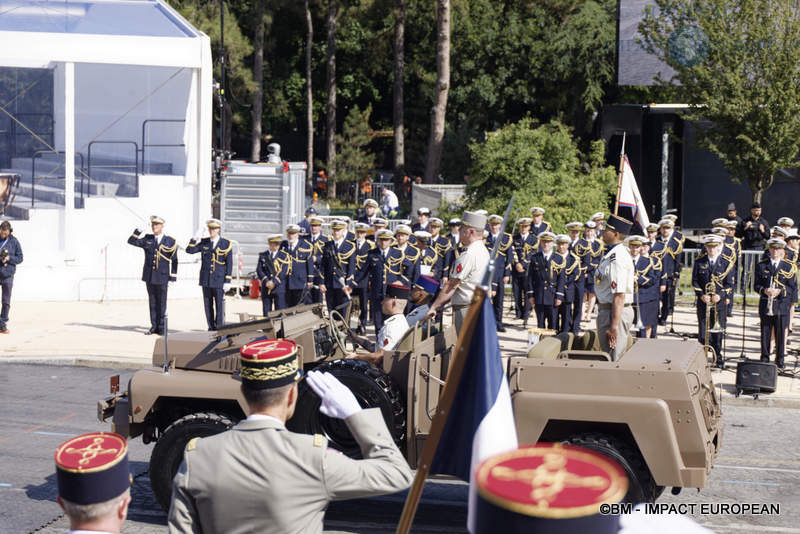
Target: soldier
[786,223]
[523,246]
[652,233]
[467,270]
[421,295]
[735,244]
[423,218]
[646,279]
[775,279]
[370,212]
[363,246]
[215,270]
[337,268]
[649,293]
[301,271]
[614,285]
[439,243]
[430,264]
[378,224]
[537,224]
[410,253]
[570,265]
[305,224]
[94,481]
[670,260]
[10,257]
[712,282]
[502,266]
[583,251]
[160,268]
[544,281]
[456,247]
[394,326]
[318,242]
[598,219]
[793,253]
[259,477]
[384,267]
[273,269]
[591,241]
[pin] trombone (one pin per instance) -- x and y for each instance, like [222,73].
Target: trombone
[639,326]
[711,290]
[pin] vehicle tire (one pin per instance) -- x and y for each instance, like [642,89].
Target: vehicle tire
[167,453]
[641,486]
[372,387]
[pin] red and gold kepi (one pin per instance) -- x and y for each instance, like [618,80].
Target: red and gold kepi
[548,488]
[269,363]
[92,468]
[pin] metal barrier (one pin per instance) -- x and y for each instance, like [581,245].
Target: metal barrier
[135,165]
[745,267]
[38,154]
[144,139]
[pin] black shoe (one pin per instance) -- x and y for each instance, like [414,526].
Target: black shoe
[765,359]
[159,332]
[720,365]
[780,365]
[501,328]
[151,331]
[662,323]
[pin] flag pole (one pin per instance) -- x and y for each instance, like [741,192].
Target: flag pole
[442,411]
[619,176]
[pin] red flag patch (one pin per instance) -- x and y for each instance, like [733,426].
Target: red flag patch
[385,342]
[613,285]
[459,268]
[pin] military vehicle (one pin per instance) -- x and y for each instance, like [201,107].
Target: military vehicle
[654,410]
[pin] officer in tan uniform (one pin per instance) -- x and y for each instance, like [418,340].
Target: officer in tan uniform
[259,477]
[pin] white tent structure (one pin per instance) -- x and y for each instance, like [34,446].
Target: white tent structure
[106,117]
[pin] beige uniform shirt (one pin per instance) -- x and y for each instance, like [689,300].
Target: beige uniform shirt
[259,477]
[392,332]
[615,274]
[469,268]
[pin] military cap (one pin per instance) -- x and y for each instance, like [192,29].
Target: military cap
[590,224]
[274,238]
[269,363]
[666,222]
[384,233]
[213,223]
[315,221]
[547,236]
[793,234]
[371,202]
[397,291]
[618,224]
[599,215]
[712,240]
[481,212]
[778,230]
[423,211]
[524,221]
[292,229]
[379,221]
[785,221]
[755,205]
[511,498]
[361,227]
[422,235]
[338,224]
[435,221]
[719,230]
[635,240]
[574,225]
[732,223]
[494,219]
[731,207]
[719,221]
[427,284]
[671,216]
[311,211]
[474,219]
[155,219]
[92,468]
[652,227]
[562,238]
[776,242]
[402,229]
[536,210]
[455,221]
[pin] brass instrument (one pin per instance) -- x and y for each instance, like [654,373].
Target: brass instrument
[639,326]
[714,328]
[771,299]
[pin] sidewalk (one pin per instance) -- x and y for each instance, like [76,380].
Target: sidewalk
[112,334]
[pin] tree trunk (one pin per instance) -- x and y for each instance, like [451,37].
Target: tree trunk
[258,75]
[309,98]
[436,138]
[399,69]
[333,14]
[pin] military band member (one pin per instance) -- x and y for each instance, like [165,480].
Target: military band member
[652,233]
[360,289]
[301,272]
[260,477]
[378,224]
[671,261]
[430,264]
[712,281]
[570,265]
[775,279]
[160,268]
[595,246]
[647,283]
[337,268]
[792,251]
[272,269]
[544,281]
[502,266]
[614,285]
[94,480]
[598,219]
[582,250]
[370,212]
[409,251]
[10,257]
[384,267]
[735,244]
[786,223]
[423,218]
[523,246]
[538,225]
[456,247]
[216,266]
[318,242]
[305,224]
[439,243]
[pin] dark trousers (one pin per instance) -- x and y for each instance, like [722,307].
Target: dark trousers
[564,313]
[576,306]
[6,284]
[497,301]
[720,311]
[157,294]
[546,316]
[363,304]
[294,297]
[315,296]
[778,323]
[214,302]
[668,301]
[272,301]
[522,306]
[377,315]
[335,298]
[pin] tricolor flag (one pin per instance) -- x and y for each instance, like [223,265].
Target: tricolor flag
[480,423]
[629,196]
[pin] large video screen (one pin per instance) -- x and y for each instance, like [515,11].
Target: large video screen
[636,66]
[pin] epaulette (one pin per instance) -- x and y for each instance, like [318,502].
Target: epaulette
[191,445]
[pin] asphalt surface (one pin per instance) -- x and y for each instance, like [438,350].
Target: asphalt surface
[41,406]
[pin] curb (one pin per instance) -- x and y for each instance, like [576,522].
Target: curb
[765,400]
[80,361]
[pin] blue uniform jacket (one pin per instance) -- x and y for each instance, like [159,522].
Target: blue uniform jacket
[381,271]
[545,278]
[722,274]
[274,270]
[317,246]
[216,262]
[570,267]
[522,250]
[648,278]
[362,265]
[337,266]
[430,258]
[537,229]
[785,277]
[161,262]
[14,256]
[410,263]
[301,272]
[502,262]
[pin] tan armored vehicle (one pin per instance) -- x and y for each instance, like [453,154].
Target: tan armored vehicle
[655,410]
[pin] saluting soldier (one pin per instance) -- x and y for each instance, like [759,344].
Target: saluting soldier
[502,266]
[273,268]
[670,259]
[646,288]
[423,219]
[523,246]
[301,272]
[384,267]
[337,267]
[538,225]
[583,251]
[409,251]
[595,255]
[160,268]
[776,281]
[370,212]
[216,266]
[712,282]
[318,242]
[544,280]
[570,265]
[363,246]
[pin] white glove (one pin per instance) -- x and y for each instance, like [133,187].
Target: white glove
[139,229]
[225,287]
[337,401]
[198,235]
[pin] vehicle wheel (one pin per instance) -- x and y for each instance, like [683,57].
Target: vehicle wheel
[373,389]
[641,486]
[168,451]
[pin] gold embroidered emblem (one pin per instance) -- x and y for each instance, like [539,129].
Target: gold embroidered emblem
[90,452]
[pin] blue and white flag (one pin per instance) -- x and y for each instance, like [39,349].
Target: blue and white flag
[480,423]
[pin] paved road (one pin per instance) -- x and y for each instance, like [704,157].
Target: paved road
[40,406]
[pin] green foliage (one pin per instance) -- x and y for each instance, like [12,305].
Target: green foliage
[354,160]
[540,166]
[737,65]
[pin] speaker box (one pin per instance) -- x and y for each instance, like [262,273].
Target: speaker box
[756,377]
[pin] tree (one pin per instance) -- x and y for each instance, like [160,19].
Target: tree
[258,76]
[738,67]
[439,109]
[330,63]
[309,95]
[397,95]
[355,159]
[541,166]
